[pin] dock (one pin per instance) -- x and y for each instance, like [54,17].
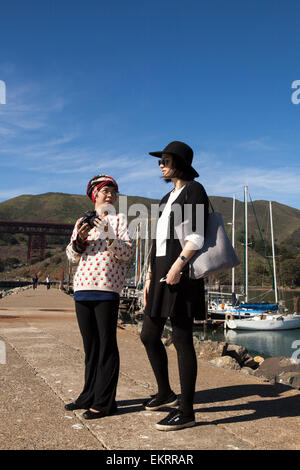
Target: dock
[43,370]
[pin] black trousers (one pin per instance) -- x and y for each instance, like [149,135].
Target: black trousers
[97,322]
[182,335]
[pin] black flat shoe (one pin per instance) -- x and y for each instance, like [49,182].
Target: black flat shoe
[73,406]
[154,403]
[98,414]
[93,414]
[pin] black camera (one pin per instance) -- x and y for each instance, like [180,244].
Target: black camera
[89,218]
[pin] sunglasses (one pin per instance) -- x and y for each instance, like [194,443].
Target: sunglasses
[164,161]
[108,191]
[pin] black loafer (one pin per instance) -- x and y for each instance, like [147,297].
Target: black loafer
[98,414]
[73,406]
[93,414]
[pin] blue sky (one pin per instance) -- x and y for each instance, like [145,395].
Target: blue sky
[93,86]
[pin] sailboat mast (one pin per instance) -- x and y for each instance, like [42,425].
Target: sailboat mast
[145,267]
[246,245]
[233,240]
[136,256]
[273,253]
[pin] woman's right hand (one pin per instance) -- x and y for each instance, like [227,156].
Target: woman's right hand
[83,231]
[146,291]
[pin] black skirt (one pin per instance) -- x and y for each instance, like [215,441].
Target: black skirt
[186,298]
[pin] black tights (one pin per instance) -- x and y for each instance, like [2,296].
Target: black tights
[182,335]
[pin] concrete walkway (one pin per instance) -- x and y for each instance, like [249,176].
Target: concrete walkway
[44,370]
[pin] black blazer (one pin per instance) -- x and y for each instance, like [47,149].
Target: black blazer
[193,193]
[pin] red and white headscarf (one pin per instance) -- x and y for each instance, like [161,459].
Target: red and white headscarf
[98,182]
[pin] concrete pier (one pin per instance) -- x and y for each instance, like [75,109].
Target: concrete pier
[43,369]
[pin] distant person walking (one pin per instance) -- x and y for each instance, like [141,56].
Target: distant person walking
[35,281]
[100,243]
[48,282]
[169,292]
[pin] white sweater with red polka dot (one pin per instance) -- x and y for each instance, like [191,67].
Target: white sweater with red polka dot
[102,266]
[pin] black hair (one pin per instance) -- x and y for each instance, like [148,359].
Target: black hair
[181,171]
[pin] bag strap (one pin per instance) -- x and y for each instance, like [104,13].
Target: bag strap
[209,201]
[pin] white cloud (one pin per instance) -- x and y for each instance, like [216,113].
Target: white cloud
[257,144]
[273,184]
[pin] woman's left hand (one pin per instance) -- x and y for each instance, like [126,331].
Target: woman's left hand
[174,275]
[104,229]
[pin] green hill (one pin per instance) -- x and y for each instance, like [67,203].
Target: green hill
[54,207]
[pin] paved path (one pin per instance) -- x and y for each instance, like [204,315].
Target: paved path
[44,370]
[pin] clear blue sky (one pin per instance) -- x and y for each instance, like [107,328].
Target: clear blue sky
[92,86]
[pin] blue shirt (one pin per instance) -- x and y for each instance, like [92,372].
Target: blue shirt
[85,295]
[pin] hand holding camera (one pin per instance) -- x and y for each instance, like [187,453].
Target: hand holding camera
[90,220]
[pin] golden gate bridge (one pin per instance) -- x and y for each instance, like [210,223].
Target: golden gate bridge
[37,233]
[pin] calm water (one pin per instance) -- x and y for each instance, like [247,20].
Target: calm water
[263,343]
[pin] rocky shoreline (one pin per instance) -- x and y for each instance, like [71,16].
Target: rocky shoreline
[280,369]
[14,290]
[283,370]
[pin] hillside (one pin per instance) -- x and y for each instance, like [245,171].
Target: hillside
[54,207]
[67,208]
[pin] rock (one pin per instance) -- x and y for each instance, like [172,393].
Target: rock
[247,370]
[208,350]
[258,359]
[226,362]
[250,362]
[273,367]
[239,353]
[290,378]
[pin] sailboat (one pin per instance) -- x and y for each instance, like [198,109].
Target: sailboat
[218,306]
[264,320]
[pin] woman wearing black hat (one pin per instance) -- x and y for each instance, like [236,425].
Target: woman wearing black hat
[169,292]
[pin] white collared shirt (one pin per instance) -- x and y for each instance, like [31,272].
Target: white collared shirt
[162,229]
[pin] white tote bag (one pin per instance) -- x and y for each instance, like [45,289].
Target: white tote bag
[217,253]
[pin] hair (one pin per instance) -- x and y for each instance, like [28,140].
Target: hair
[181,171]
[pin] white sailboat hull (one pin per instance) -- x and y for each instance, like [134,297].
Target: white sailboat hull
[271,322]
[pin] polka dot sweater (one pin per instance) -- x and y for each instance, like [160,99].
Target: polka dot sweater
[102,266]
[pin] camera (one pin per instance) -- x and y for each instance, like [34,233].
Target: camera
[89,217]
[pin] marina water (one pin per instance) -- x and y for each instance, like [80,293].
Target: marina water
[263,343]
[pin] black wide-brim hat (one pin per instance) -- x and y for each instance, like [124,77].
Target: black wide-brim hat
[183,152]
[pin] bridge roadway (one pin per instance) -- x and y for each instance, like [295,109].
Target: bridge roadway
[37,232]
[35,228]
[44,370]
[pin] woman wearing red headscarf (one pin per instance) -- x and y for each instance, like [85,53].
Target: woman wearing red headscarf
[100,244]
